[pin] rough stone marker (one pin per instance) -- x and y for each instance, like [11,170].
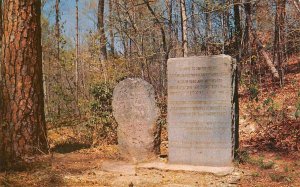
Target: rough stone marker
[136,113]
[201,110]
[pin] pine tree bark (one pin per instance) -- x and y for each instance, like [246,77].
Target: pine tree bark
[184,28]
[23,129]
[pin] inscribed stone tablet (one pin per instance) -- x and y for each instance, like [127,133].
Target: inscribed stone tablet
[200,109]
[135,110]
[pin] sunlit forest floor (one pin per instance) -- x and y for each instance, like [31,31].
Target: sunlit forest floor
[269,153]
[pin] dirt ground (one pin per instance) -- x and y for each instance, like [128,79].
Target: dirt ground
[102,167]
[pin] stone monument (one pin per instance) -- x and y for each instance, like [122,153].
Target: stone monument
[201,110]
[136,113]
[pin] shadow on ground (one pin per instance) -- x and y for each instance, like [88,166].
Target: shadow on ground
[69,147]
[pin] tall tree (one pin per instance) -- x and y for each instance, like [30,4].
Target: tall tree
[194,28]
[77,56]
[208,28]
[247,49]
[279,55]
[238,33]
[103,51]
[23,129]
[111,31]
[57,35]
[184,28]
[57,27]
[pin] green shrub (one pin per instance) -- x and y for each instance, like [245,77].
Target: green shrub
[242,156]
[102,94]
[266,165]
[279,177]
[101,122]
[254,92]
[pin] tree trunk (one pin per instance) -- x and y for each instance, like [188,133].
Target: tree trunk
[224,19]
[279,55]
[247,49]
[184,28]
[207,28]
[23,129]
[111,31]
[237,23]
[57,35]
[194,28]
[238,35]
[77,61]
[103,51]
[169,8]
[238,38]
[265,55]
[57,27]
